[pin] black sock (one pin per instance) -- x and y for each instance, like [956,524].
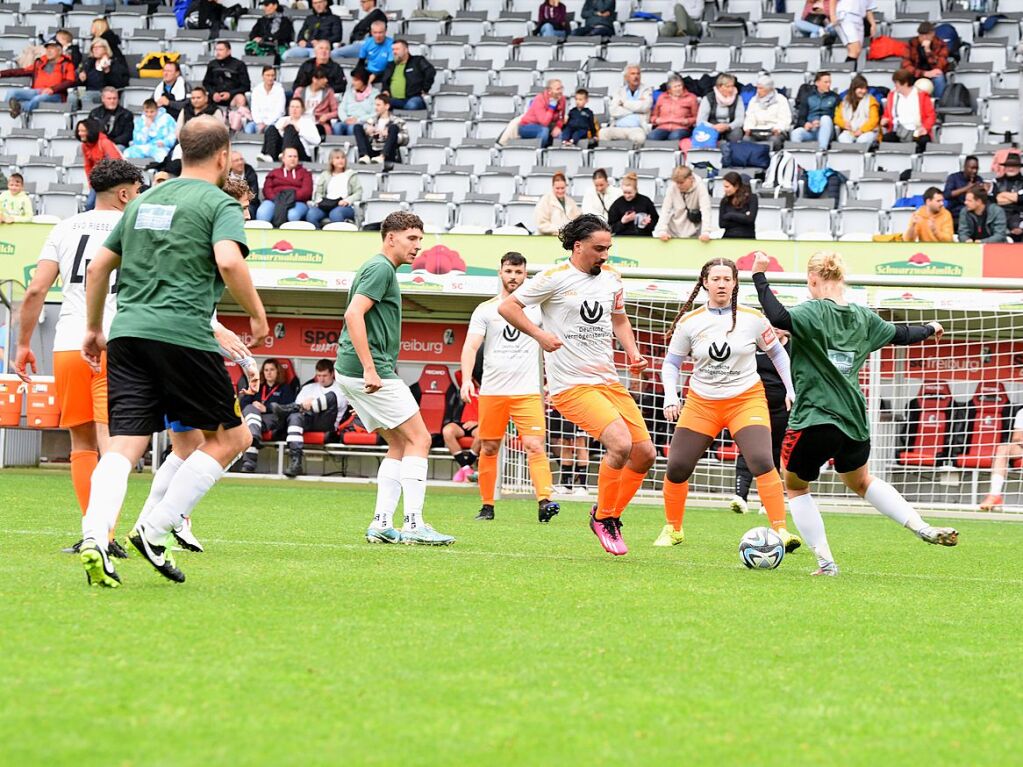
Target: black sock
[567,470]
[580,476]
[743,480]
[465,458]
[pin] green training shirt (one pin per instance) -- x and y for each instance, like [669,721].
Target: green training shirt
[168,283]
[377,279]
[830,345]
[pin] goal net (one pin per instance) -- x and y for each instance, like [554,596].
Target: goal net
[940,412]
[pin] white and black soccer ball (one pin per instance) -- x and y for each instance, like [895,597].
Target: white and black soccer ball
[761,549]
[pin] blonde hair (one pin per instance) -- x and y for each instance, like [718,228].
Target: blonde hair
[99,41]
[102,24]
[681,173]
[330,161]
[827,265]
[631,179]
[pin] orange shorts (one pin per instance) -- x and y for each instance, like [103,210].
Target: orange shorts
[82,394]
[592,407]
[710,416]
[525,411]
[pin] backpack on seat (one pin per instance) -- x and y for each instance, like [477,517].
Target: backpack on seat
[783,173]
[956,100]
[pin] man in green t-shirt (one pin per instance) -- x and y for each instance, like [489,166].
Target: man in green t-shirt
[175,248]
[367,361]
[831,340]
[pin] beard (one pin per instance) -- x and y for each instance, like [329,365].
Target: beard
[595,270]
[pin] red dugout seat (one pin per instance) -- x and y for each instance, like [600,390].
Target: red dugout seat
[987,427]
[433,384]
[930,426]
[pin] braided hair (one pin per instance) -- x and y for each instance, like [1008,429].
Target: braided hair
[704,274]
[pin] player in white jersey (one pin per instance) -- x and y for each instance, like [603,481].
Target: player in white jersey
[848,17]
[511,389]
[583,312]
[725,391]
[82,394]
[1004,453]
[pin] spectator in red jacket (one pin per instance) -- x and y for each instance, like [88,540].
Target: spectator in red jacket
[928,57]
[52,74]
[545,116]
[290,175]
[908,113]
[674,113]
[96,146]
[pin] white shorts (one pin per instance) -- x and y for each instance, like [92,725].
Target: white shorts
[850,29]
[389,406]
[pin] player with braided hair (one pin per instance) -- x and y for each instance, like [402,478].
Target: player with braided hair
[725,391]
[582,304]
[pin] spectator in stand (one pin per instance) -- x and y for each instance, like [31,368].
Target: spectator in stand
[686,211]
[114,120]
[599,198]
[69,47]
[289,175]
[272,33]
[95,147]
[556,208]
[101,69]
[357,105]
[552,20]
[240,170]
[320,101]
[674,114]
[633,214]
[369,15]
[376,51]
[853,20]
[240,191]
[980,219]
[198,104]
[813,21]
[598,19]
[239,116]
[211,15]
[1007,190]
[321,58]
[379,138]
[258,412]
[630,109]
[15,204]
[154,135]
[958,184]
[268,102]
[908,113]
[687,15]
[52,75]
[931,222]
[226,76]
[317,407]
[321,24]
[928,57]
[545,117]
[171,93]
[815,112]
[768,115]
[407,79]
[581,125]
[723,108]
[296,130]
[100,28]
[337,193]
[858,115]
[737,215]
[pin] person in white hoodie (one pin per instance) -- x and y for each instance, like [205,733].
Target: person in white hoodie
[630,110]
[599,198]
[268,102]
[768,115]
[295,130]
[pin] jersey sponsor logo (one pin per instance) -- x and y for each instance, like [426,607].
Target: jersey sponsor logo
[843,361]
[511,334]
[720,352]
[155,217]
[591,313]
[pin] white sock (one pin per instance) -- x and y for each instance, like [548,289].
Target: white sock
[109,484]
[160,484]
[810,524]
[197,475]
[413,488]
[388,493]
[997,483]
[889,502]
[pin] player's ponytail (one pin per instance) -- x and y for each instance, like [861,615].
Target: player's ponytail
[828,265]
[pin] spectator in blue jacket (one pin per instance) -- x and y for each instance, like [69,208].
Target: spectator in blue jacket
[815,112]
[377,51]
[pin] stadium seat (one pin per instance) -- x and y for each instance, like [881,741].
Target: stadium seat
[520,74]
[496,50]
[778,25]
[472,26]
[898,220]
[453,49]
[453,179]
[497,180]
[772,216]
[878,186]
[812,216]
[127,20]
[929,426]
[297,225]
[858,217]
[520,153]
[990,50]
[614,156]
[42,171]
[453,99]
[521,212]
[432,153]
[478,210]
[848,159]
[341,226]
[62,203]
[475,154]
[988,424]
[807,154]
[409,180]
[921,182]
[24,143]
[51,119]
[433,384]
[717,54]
[490,127]
[964,130]
[1003,114]
[567,158]
[541,51]
[435,208]
[536,181]
[490,8]
[940,158]
[476,74]
[790,75]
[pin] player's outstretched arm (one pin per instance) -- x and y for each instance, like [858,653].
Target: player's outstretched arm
[235,273]
[775,312]
[514,313]
[906,335]
[28,318]
[470,348]
[355,322]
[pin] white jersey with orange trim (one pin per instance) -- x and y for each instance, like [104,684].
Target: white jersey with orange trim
[724,363]
[511,359]
[577,308]
[72,244]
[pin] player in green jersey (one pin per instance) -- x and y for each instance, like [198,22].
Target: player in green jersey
[831,341]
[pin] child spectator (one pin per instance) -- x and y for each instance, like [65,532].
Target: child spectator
[581,124]
[15,204]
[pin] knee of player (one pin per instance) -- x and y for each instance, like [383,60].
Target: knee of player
[858,482]
[450,429]
[677,472]
[241,439]
[643,455]
[493,446]
[760,465]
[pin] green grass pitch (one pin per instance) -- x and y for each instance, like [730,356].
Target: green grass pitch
[295,643]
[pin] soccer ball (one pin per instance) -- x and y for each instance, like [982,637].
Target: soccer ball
[761,549]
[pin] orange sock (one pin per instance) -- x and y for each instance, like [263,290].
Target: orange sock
[83,463]
[540,473]
[632,481]
[608,482]
[772,497]
[675,494]
[487,478]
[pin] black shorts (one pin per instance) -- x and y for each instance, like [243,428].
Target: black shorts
[147,380]
[804,452]
[469,431]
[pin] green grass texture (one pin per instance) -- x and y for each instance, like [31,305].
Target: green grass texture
[294,642]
